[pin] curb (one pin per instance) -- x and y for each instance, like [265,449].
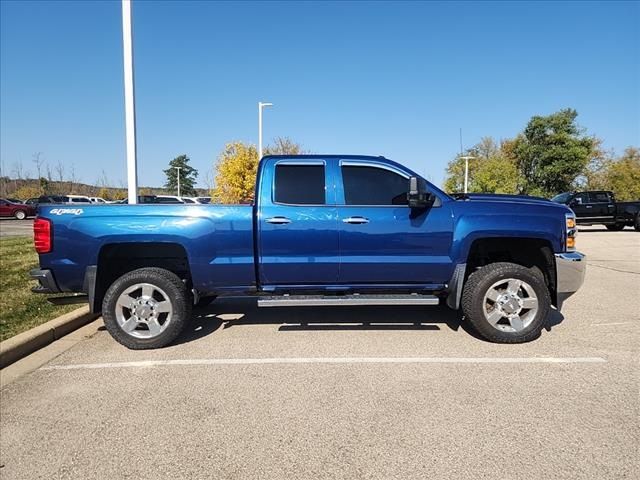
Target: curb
[25,343]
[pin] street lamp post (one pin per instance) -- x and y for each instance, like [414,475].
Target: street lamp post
[129,103]
[466,170]
[178,168]
[261,105]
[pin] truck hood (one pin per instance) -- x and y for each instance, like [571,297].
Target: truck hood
[501,198]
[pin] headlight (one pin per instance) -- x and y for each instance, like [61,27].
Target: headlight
[571,231]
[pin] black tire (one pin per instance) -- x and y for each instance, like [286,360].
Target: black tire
[479,283]
[636,222]
[616,227]
[176,292]
[20,215]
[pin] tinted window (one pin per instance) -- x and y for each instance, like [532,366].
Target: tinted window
[562,198]
[599,197]
[373,186]
[299,184]
[168,200]
[80,200]
[581,198]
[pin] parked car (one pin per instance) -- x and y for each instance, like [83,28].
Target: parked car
[203,200]
[169,199]
[20,211]
[599,207]
[325,230]
[56,199]
[98,200]
[78,199]
[32,201]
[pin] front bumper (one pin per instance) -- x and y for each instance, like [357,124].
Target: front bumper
[570,269]
[47,282]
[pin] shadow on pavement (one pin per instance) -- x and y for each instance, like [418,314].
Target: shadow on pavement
[237,312]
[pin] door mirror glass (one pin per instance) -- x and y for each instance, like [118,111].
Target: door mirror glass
[418,196]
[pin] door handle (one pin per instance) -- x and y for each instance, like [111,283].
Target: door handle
[589,206]
[355,220]
[278,220]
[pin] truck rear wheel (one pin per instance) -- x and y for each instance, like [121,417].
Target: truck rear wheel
[146,308]
[506,302]
[636,222]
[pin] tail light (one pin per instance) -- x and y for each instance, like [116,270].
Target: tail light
[42,235]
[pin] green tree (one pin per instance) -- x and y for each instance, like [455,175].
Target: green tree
[237,166]
[188,176]
[551,153]
[491,170]
[622,175]
[44,185]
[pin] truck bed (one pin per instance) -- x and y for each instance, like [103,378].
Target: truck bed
[217,239]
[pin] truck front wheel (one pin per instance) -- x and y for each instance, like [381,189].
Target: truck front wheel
[506,302]
[146,308]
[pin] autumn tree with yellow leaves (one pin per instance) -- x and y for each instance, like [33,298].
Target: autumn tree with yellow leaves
[237,167]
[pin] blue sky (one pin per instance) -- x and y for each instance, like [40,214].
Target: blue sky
[394,79]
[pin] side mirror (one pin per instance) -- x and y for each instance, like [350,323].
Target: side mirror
[418,197]
[575,201]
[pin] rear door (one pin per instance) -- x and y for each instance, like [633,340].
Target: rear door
[297,224]
[603,207]
[5,208]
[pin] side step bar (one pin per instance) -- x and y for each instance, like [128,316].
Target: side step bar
[346,300]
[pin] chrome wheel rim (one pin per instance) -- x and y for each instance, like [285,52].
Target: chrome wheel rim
[20,215]
[510,305]
[144,311]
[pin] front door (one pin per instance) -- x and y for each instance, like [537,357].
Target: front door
[297,218]
[381,240]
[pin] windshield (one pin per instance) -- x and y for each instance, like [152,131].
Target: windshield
[562,198]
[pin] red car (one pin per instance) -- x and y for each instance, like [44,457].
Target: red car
[17,210]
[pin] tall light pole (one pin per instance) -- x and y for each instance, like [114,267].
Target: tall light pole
[261,105]
[466,159]
[178,168]
[129,103]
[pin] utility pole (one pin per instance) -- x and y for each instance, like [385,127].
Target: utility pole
[129,103]
[261,105]
[178,168]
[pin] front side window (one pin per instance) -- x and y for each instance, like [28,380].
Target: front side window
[299,184]
[373,186]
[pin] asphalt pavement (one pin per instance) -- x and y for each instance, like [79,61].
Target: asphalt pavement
[10,227]
[382,393]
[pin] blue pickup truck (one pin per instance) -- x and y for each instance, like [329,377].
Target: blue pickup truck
[324,230]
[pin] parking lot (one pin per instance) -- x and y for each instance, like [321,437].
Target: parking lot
[346,393]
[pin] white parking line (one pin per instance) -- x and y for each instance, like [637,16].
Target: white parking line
[607,324]
[332,360]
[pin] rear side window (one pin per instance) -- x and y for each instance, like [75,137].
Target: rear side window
[373,186]
[299,184]
[599,197]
